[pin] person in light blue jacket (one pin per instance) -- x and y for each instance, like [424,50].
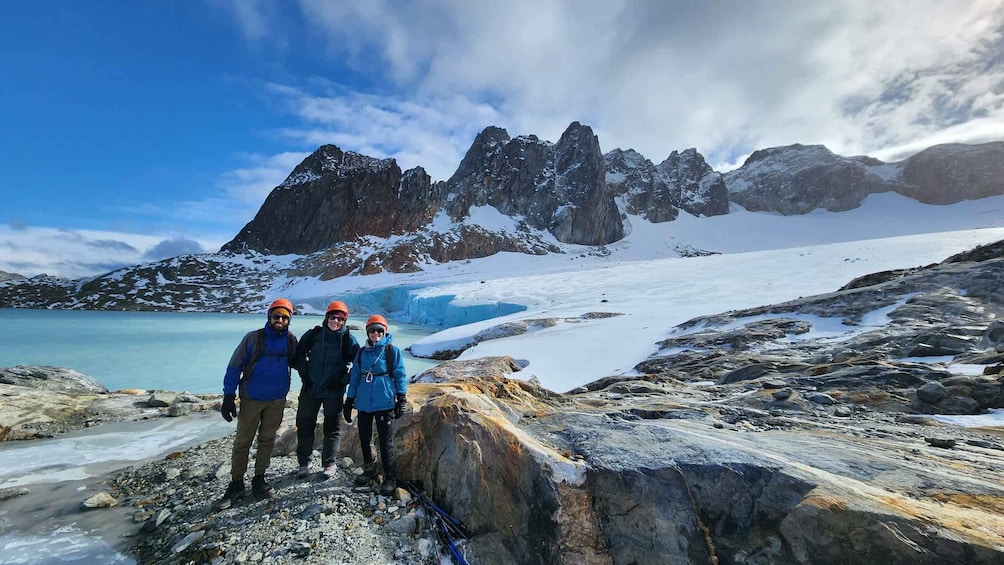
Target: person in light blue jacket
[377,390]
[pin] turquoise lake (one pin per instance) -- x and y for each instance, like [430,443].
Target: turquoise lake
[152,350]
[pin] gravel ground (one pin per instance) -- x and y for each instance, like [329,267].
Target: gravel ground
[309,520]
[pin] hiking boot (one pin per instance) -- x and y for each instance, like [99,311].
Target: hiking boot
[302,472]
[235,490]
[260,489]
[330,471]
[388,487]
[369,473]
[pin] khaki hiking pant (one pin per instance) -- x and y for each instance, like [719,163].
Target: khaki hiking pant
[254,417]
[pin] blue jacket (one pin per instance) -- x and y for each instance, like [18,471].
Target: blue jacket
[377,394]
[269,378]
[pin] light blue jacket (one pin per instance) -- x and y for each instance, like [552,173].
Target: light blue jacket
[387,380]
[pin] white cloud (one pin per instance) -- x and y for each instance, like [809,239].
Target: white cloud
[250,185]
[432,132]
[72,254]
[725,77]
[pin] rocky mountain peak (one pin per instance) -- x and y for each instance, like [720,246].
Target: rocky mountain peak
[334,196]
[554,187]
[684,181]
[796,154]
[330,160]
[486,142]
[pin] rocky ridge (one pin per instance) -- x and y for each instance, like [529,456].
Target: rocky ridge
[357,215]
[798,179]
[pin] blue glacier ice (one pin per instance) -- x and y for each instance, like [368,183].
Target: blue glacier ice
[407,305]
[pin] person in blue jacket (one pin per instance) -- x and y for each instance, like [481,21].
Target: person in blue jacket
[377,390]
[259,372]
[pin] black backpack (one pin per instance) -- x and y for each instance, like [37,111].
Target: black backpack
[258,348]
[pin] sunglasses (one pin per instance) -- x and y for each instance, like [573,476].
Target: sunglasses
[379,331]
[278,317]
[336,317]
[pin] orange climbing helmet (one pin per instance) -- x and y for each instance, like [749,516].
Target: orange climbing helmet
[337,306]
[281,304]
[377,319]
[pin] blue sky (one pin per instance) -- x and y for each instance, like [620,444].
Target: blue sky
[136,130]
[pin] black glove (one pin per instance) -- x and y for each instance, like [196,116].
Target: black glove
[347,409]
[229,407]
[399,406]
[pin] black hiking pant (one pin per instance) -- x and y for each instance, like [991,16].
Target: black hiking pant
[387,456]
[306,422]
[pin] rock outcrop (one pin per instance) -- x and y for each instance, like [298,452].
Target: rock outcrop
[684,181]
[41,401]
[556,187]
[754,442]
[758,438]
[5,276]
[798,179]
[946,174]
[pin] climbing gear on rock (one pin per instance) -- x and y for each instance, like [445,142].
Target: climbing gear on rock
[450,532]
[399,401]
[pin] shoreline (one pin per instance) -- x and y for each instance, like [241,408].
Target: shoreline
[43,510]
[163,474]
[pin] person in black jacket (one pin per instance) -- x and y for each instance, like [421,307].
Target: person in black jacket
[323,358]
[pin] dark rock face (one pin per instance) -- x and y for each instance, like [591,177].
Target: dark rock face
[559,188]
[946,174]
[684,181]
[798,179]
[335,196]
[631,175]
[702,190]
